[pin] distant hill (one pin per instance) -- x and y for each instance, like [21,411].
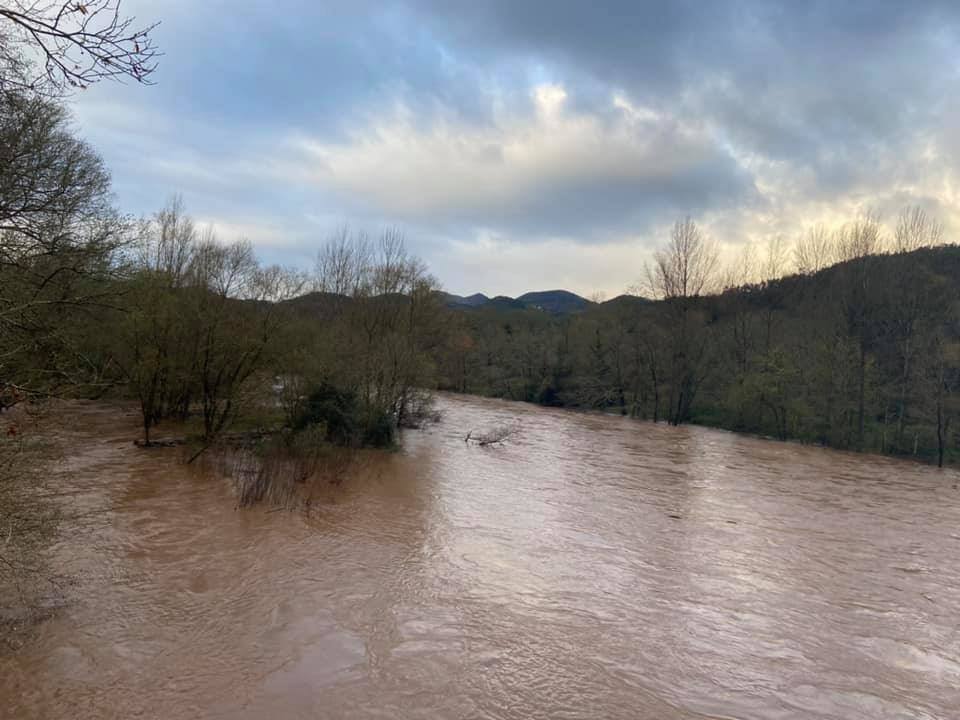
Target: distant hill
[558,302]
[555,302]
[315,303]
[626,302]
[475,300]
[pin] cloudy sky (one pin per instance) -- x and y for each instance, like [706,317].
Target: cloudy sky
[534,144]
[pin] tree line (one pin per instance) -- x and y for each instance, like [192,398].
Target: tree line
[857,348]
[193,327]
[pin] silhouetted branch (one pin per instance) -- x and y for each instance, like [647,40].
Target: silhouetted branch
[79,43]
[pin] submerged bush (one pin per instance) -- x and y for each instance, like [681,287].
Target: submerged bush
[328,426]
[378,431]
[346,421]
[417,409]
[330,408]
[288,471]
[29,515]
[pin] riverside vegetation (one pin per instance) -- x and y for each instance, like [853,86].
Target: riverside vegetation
[849,340]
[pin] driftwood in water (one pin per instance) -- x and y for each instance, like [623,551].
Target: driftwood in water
[238,438]
[165,442]
[492,436]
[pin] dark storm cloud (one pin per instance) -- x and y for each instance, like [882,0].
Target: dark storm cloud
[783,77]
[825,89]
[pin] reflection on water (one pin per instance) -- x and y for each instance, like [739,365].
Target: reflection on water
[591,567]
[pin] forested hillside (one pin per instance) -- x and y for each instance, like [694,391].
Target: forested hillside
[864,354]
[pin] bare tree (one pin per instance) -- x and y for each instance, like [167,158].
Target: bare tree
[915,229]
[686,267]
[775,258]
[234,321]
[683,271]
[814,250]
[78,43]
[385,320]
[343,262]
[756,265]
[742,269]
[165,246]
[858,244]
[860,238]
[155,352]
[202,322]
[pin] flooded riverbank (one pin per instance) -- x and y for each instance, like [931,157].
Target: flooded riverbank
[591,566]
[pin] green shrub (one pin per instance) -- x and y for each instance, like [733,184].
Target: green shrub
[345,419]
[378,431]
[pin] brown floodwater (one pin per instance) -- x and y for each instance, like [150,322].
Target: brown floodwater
[591,567]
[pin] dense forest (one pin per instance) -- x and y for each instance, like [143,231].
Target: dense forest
[861,354]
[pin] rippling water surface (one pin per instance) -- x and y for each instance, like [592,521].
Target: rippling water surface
[592,567]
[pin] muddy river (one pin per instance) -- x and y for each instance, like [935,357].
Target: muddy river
[590,567]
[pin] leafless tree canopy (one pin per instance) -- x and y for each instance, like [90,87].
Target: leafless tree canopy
[686,267]
[757,264]
[814,250]
[860,238]
[386,320]
[343,262]
[352,265]
[742,269]
[51,46]
[202,317]
[915,229]
[775,258]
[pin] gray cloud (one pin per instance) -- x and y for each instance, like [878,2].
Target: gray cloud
[754,115]
[801,73]
[558,171]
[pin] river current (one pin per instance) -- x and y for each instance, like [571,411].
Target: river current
[589,567]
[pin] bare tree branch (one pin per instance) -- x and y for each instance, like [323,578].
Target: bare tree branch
[686,267]
[915,229]
[76,43]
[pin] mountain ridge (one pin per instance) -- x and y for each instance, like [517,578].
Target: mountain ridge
[555,302]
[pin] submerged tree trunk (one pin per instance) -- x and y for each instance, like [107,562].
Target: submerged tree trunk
[942,426]
[943,422]
[902,399]
[861,393]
